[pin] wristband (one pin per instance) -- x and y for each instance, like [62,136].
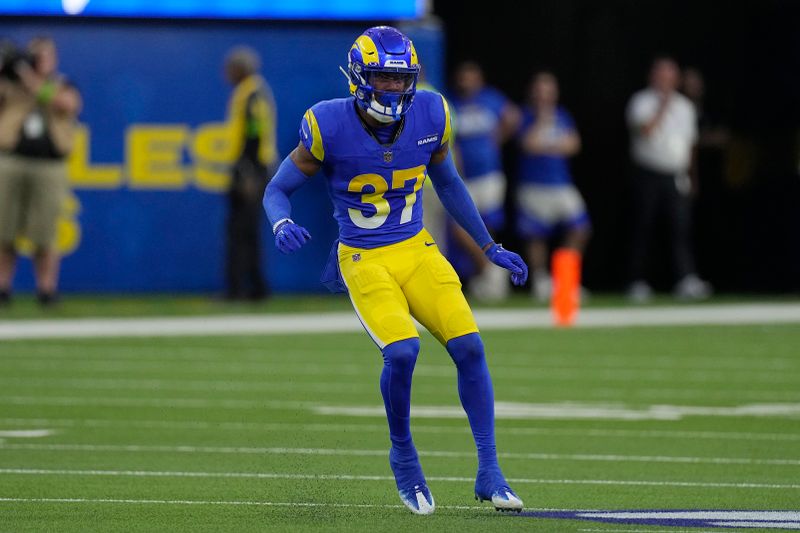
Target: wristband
[280,223]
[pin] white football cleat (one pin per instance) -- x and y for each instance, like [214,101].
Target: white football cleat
[506,500]
[419,500]
[492,486]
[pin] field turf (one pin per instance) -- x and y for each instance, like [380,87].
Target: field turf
[241,434]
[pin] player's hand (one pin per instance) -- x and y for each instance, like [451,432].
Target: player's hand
[510,261]
[289,237]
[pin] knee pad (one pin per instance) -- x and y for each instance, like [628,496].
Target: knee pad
[402,354]
[467,347]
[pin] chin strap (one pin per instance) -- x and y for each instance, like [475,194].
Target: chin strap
[382,116]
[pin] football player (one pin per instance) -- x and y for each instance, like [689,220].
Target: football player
[548,202]
[486,120]
[375,149]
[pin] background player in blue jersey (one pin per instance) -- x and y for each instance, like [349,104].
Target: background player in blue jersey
[486,120]
[547,200]
[375,149]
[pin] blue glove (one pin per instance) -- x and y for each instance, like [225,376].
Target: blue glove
[510,261]
[289,237]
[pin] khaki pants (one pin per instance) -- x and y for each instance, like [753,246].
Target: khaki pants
[32,193]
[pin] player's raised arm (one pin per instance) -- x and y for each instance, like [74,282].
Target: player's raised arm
[291,175]
[456,199]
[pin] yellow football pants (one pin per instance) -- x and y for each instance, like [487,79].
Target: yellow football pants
[391,284]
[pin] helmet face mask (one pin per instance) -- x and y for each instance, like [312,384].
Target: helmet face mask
[382,72]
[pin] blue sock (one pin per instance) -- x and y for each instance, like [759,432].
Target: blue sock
[476,393]
[399,359]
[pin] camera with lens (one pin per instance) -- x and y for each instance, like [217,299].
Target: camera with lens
[11,56]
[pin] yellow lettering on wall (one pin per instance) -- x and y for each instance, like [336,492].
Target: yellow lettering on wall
[68,231]
[80,170]
[212,154]
[154,155]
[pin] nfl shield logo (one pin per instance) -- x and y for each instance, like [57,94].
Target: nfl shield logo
[356,257]
[387,157]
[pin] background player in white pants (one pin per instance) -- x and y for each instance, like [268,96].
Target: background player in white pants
[547,200]
[485,120]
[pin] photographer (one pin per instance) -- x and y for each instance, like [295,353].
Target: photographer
[252,119]
[38,111]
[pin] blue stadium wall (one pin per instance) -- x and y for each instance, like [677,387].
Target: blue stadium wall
[149,206]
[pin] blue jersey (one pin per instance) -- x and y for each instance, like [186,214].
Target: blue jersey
[477,122]
[546,169]
[375,188]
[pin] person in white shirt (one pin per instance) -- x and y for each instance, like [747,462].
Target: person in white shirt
[663,132]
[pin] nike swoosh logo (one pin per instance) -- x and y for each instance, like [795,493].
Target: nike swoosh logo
[429,243]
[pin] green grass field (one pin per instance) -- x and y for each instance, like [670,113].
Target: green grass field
[242,434]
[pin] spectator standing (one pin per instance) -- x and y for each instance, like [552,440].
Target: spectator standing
[252,121]
[549,205]
[486,119]
[663,132]
[38,115]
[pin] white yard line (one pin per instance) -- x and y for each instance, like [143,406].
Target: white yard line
[194,385]
[211,502]
[381,428]
[510,391]
[181,326]
[476,507]
[565,410]
[575,410]
[349,477]
[121,350]
[734,394]
[177,403]
[233,475]
[258,450]
[727,314]
[25,433]
[184,385]
[527,374]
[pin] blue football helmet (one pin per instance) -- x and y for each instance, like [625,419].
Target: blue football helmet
[383,52]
